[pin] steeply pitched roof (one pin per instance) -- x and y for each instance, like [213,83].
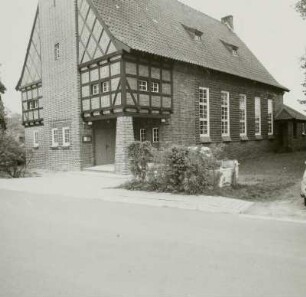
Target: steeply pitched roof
[2,88]
[288,113]
[159,27]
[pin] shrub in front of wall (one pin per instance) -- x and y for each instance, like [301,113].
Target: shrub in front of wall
[140,155]
[12,156]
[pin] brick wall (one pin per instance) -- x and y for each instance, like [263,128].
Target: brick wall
[60,82]
[183,127]
[37,155]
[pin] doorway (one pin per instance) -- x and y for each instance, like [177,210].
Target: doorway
[105,142]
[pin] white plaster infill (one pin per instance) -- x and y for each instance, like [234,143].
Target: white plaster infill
[104,186]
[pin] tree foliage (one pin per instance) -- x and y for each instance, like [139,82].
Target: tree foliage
[2,116]
[301,9]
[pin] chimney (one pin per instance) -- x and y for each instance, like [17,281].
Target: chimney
[228,21]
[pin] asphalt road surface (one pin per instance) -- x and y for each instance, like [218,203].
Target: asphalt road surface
[65,247]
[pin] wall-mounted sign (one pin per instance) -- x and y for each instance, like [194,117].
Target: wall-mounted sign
[87,139]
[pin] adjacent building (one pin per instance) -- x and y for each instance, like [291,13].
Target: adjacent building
[100,74]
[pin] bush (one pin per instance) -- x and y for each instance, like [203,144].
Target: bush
[177,169]
[12,156]
[140,155]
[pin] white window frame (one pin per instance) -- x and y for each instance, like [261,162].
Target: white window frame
[95,89]
[207,104]
[66,143]
[143,85]
[56,51]
[258,115]
[142,135]
[155,87]
[105,87]
[53,138]
[244,121]
[155,135]
[227,121]
[270,117]
[35,139]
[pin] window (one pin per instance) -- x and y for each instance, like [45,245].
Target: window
[295,130]
[235,52]
[303,129]
[66,136]
[257,116]
[225,112]
[243,115]
[270,117]
[142,135]
[57,51]
[55,137]
[95,89]
[143,85]
[204,111]
[32,104]
[155,133]
[105,87]
[35,139]
[155,87]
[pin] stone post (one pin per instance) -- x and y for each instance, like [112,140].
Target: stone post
[124,137]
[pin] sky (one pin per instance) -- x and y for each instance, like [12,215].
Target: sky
[272,29]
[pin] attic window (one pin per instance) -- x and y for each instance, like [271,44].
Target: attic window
[195,34]
[233,49]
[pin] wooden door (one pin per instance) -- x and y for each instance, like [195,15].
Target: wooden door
[105,142]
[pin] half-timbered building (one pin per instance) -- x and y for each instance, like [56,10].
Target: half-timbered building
[100,74]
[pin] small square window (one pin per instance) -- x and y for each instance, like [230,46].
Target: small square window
[143,85]
[235,52]
[57,51]
[35,139]
[155,133]
[66,136]
[155,87]
[143,135]
[55,137]
[105,87]
[95,89]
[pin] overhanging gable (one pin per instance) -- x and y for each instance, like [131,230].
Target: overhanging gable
[31,71]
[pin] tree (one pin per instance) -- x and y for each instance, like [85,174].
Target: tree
[2,111]
[301,9]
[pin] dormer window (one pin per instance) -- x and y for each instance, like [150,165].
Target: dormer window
[235,52]
[194,33]
[233,49]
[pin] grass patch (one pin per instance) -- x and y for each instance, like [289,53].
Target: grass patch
[263,179]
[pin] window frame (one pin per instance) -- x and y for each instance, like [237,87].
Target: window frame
[142,133]
[258,116]
[57,51]
[155,137]
[157,89]
[207,104]
[92,87]
[228,114]
[65,143]
[35,139]
[107,84]
[142,83]
[55,143]
[270,118]
[245,120]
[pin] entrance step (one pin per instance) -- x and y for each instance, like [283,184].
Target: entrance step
[102,168]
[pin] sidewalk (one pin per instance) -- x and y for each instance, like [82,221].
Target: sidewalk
[87,185]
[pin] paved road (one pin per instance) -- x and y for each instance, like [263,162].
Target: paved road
[69,247]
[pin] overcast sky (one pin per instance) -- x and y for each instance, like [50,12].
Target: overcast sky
[271,28]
